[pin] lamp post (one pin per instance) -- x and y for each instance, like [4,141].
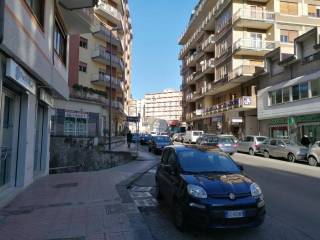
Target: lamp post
[110,85]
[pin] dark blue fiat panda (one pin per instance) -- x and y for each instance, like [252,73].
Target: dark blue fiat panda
[206,187]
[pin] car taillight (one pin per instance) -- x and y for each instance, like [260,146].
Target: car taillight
[257,146]
[220,145]
[235,145]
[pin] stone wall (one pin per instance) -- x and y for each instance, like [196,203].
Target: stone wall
[72,155]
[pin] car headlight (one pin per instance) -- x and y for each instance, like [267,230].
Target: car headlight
[256,191]
[196,191]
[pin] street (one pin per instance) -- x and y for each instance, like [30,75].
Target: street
[291,192]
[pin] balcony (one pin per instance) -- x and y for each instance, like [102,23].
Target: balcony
[253,19]
[109,12]
[102,56]
[208,66]
[239,104]
[243,73]
[94,97]
[103,34]
[190,77]
[252,47]
[103,80]
[208,44]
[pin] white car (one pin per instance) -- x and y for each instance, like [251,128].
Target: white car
[192,136]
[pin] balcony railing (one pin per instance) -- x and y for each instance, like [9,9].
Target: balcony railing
[243,70]
[109,10]
[247,13]
[101,52]
[209,63]
[191,77]
[104,34]
[207,42]
[254,44]
[104,80]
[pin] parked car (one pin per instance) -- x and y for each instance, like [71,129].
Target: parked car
[206,187]
[223,142]
[175,137]
[192,136]
[314,154]
[231,136]
[251,144]
[164,134]
[284,149]
[181,137]
[135,137]
[158,143]
[178,137]
[145,138]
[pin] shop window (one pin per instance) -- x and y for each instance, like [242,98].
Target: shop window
[83,42]
[37,9]
[313,11]
[286,94]
[315,87]
[288,35]
[289,8]
[60,41]
[82,67]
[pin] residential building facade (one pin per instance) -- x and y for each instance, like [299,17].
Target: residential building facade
[223,49]
[137,108]
[164,105]
[33,71]
[289,92]
[99,60]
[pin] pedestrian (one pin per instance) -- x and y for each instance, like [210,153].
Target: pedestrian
[305,141]
[129,138]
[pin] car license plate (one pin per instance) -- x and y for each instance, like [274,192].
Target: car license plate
[234,214]
[227,145]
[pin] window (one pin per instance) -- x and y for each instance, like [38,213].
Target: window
[75,126]
[286,94]
[289,8]
[82,67]
[60,41]
[276,97]
[315,87]
[279,96]
[37,8]
[273,142]
[304,93]
[314,11]
[288,35]
[83,42]
[295,92]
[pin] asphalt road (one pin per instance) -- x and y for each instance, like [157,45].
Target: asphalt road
[292,194]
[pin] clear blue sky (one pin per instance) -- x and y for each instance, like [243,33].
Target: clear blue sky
[157,25]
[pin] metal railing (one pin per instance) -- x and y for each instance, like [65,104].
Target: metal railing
[254,43]
[207,42]
[248,13]
[243,70]
[110,10]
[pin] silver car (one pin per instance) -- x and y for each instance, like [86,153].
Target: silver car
[314,154]
[251,144]
[284,149]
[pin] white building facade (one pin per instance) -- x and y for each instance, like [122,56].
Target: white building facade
[33,71]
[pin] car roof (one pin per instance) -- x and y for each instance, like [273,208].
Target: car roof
[185,148]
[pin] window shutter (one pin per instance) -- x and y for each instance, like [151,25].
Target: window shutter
[284,7]
[293,8]
[312,9]
[292,35]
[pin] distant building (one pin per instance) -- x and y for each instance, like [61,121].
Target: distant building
[136,108]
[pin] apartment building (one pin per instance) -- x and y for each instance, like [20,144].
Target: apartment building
[223,49]
[33,71]
[100,60]
[137,108]
[164,105]
[288,93]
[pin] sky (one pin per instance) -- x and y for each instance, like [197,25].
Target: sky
[157,26]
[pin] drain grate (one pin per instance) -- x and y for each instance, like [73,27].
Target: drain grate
[66,185]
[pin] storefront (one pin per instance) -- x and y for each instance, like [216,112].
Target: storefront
[296,127]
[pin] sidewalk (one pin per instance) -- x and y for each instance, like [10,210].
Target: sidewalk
[78,206]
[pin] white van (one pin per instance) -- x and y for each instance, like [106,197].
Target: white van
[192,136]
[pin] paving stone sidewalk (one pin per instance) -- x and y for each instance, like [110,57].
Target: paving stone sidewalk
[78,206]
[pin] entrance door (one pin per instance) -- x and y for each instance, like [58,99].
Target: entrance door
[37,167]
[9,121]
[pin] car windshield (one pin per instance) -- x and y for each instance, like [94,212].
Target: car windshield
[162,139]
[197,133]
[197,161]
[261,139]
[226,140]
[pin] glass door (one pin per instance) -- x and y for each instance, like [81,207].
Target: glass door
[256,40]
[9,120]
[37,167]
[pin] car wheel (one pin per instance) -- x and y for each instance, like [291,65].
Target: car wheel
[179,217]
[291,157]
[251,152]
[312,161]
[266,154]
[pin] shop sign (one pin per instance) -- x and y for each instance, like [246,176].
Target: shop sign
[76,115]
[217,118]
[278,121]
[16,73]
[236,120]
[134,119]
[308,118]
[46,97]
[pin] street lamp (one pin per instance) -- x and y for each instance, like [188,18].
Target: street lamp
[110,85]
